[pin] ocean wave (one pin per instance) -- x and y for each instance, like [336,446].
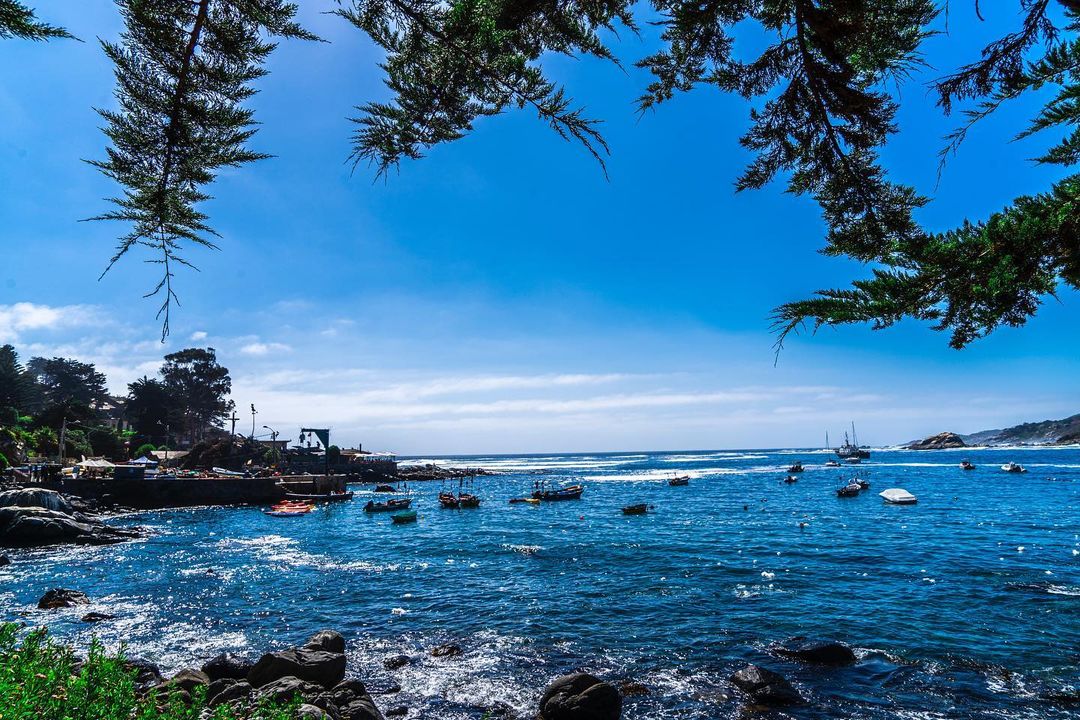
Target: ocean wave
[287,552]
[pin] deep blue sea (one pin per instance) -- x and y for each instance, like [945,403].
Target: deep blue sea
[966,605]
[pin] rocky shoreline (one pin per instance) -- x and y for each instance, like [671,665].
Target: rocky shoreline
[417,473]
[31,517]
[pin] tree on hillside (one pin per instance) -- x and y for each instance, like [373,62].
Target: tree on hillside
[200,387]
[825,92]
[16,385]
[66,383]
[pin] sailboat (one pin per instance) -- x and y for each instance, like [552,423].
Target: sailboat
[850,448]
[830,463]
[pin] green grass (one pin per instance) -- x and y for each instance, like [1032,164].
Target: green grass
[43,680]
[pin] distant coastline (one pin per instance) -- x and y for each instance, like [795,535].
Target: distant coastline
[1047,433]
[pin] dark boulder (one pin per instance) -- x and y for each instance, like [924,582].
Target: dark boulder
[93,617]
[34,516]
[580,697]
[186,680]
[285,689]
[35,497]
[396,662]
[315,666]
[361,709]
[4,561]
[311,712]
[399,711]
[227,665]
[327,640]
[764,687]
[146,672]
[353,701]
[220,693]
[62,598]
[446,651]
[817,652]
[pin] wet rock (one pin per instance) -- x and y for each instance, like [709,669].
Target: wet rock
[93,617]
[446,651]
[764,687]
[227,665]
[34,497]
[399,711]
[147,673]
[310,712]
[34,516]
[62,598]
[238,690]
[396,662]
[4,561]
[361,709]
[285,689]
[187,680]
[817,652]
[580,696]
[316,666]
[327,640]
[629,688]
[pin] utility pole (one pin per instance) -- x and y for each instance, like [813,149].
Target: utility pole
[253,413]
[234,418]
[63,433]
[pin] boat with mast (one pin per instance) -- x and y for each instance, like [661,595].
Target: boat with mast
[850,448]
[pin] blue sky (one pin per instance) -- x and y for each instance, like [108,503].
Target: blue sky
[500,295]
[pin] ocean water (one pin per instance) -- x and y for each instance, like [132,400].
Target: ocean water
[966,605]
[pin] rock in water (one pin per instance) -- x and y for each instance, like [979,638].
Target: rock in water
[327,640]
[34,516]
[97,617]
[316,666]
[446,651]
[62,598]
[36,497]
[818,652]
[4,561]
[227,665]
[940,441]
[764,687]
[580,696]
[396,662]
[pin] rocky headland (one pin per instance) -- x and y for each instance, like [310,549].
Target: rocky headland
[941,441]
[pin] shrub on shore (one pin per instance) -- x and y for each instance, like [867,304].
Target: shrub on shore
[40,678]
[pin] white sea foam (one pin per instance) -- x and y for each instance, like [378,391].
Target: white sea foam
[286,551]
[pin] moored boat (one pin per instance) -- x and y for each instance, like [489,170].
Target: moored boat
[849,449]
[530,501]
[679,481]
[796,468]
[571,492]
[965,465]
[405,516]
[791,479]
[849,490]
[863,484]
[898,496]
[832,463]
[1011,467]
[385,488]
[639,509]
[449,501]
[468,500]
[388,506]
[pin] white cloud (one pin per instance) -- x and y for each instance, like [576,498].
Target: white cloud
[198,336]
[259,349]
[20,318]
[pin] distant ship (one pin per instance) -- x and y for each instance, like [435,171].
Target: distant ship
[850,448]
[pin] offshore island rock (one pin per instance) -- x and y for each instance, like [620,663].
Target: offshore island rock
[941,441]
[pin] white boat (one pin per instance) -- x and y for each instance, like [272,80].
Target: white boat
[1011,467]
[898,496]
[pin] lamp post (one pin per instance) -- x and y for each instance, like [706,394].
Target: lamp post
[253,413]
[273,442]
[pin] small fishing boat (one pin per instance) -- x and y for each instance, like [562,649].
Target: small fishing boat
[405,516]
[796,468]
[898,496]
[285,513]
[468,500]
[388,506]
[449,501]
[863,484]
[385,488]
[965,465]
[679,481]
[531,501]
[1011,467]
[854,460]
[639,509]
[571,492]
[791,479]
[328,497]
[849,490]
[832,463]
